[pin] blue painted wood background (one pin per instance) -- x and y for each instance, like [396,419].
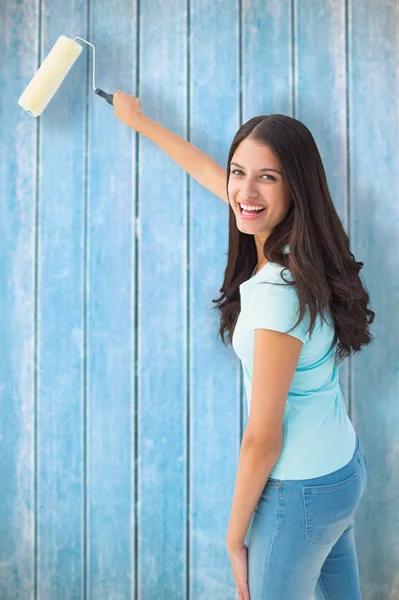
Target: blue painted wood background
[121,411]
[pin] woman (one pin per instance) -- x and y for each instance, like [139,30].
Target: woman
[293,306]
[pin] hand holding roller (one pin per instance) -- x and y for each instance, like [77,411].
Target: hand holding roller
[128,109]
[52,73]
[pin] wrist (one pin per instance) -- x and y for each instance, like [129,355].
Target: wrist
[233,543]
[140,123]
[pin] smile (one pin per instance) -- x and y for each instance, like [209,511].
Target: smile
[250,214]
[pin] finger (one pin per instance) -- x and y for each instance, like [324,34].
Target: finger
[240,595]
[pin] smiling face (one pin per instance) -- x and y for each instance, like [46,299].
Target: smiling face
[256,179]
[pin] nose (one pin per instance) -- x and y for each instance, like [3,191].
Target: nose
[248,190]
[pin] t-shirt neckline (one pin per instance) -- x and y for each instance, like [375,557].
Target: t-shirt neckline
[256,275]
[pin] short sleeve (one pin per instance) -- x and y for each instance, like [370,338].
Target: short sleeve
[276,307]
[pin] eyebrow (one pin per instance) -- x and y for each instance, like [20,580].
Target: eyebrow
[267,169]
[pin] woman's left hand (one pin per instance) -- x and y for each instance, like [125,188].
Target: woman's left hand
[239,563]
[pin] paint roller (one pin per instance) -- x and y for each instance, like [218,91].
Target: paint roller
[52,73]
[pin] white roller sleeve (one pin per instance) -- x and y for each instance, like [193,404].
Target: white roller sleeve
[50,75]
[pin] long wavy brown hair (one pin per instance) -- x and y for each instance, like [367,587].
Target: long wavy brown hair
[324,270]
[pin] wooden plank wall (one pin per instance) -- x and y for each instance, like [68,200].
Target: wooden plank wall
[121,411]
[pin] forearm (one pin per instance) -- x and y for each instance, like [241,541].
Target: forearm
[254,467]
[190,158]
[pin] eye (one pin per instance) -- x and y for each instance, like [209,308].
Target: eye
[234,171]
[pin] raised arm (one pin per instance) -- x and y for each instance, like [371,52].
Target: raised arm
[196,163]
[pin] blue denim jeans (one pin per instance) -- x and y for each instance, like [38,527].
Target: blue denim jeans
[301,542]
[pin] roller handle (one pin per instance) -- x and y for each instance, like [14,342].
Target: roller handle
[108,97]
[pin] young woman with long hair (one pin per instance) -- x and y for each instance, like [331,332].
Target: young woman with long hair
[293,306]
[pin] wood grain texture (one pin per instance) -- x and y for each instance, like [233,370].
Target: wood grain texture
[374,223]
[214,371]
[162,320]
[121,410]
[60,333]
[18,162]
[110,274]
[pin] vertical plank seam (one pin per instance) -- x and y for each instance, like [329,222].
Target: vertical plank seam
[86,416]
[348,90]
[35,324]
[240,119]
[188,315]
[135,296]
[294,91]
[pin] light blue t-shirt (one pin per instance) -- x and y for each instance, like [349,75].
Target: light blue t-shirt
[318,436]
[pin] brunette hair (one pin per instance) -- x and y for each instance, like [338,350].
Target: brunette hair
[323,268]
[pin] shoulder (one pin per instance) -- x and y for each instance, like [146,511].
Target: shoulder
[276,304]
[276,279]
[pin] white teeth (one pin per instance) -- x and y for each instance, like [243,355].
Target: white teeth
[251,207]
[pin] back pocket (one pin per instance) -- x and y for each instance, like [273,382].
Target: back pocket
[329,509]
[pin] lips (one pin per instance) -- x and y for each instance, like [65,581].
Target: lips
[252,215]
